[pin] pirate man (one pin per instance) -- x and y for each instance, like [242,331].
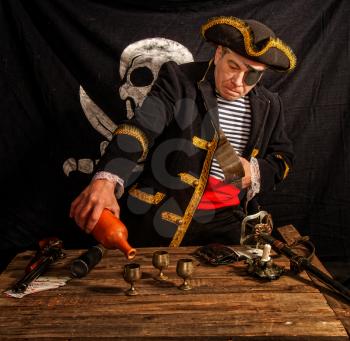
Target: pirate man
[206,140]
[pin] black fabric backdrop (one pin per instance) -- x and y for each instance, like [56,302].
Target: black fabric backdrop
[51,48]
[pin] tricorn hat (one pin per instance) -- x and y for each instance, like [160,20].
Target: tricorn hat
[251,39]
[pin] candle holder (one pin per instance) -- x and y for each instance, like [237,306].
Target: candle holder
[263,266]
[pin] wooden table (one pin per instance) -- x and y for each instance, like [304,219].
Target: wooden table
[225,304]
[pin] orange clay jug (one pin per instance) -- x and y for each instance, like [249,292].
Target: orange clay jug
[113,234]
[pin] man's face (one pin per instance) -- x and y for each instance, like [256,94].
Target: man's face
[232,73]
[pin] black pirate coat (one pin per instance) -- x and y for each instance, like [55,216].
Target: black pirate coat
[164,152]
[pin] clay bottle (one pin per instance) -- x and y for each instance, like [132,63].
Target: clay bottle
[113,234]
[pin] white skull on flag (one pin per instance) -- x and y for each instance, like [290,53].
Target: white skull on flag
[139,66]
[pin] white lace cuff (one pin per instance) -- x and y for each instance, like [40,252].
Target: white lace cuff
[255,179]
[119,182]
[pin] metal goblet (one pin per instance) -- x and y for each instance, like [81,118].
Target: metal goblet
[160,260]
[132,273]
[184,269]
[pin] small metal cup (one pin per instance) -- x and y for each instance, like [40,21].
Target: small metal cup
[160,260]
[184,269]
[132,273]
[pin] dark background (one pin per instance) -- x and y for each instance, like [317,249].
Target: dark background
[49,48]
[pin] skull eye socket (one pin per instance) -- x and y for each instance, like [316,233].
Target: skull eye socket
[141,76]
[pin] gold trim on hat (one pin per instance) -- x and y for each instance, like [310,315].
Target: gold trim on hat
[135,132]
[247,34]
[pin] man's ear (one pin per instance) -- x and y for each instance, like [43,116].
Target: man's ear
[218,54]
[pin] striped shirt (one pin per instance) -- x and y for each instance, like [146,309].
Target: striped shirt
[235,121]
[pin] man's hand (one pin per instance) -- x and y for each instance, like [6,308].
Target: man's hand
[247,179]
[86,209]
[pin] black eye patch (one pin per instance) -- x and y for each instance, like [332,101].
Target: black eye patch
[252,76]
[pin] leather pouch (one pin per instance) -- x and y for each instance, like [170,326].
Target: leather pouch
[216,254]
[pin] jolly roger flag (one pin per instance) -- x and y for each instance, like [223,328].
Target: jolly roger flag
[90,64]
[72,70]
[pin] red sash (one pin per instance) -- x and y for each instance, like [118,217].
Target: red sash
[217,194]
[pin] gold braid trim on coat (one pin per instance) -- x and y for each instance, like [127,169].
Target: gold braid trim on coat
[171,217]
[152,199]
[138,134]
[286,167]
[197,195]
[189,179]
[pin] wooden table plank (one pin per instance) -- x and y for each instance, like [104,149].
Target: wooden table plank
[225,304]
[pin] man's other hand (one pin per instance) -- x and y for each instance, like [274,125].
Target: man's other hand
[247,179]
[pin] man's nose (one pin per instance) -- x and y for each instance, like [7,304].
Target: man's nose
[237,79]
